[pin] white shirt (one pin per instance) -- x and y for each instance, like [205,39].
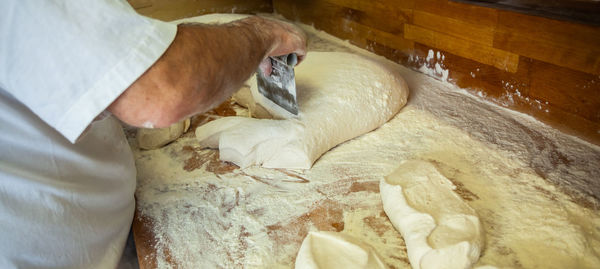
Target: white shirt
[66,199]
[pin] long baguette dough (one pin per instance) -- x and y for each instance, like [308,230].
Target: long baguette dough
[340,96]
[439,228]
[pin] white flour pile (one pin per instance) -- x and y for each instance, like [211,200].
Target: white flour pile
[209,214]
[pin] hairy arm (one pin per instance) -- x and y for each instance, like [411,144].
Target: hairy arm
[203,66]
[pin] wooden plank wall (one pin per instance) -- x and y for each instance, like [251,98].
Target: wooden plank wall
[547,68]
[168,10]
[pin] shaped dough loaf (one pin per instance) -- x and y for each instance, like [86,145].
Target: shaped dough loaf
[336,250]
[340,96]
[158,137]
[439,228]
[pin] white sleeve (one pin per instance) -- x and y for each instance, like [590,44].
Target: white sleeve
[68,60]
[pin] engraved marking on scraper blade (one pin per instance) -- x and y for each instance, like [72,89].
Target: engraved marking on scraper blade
[280,86]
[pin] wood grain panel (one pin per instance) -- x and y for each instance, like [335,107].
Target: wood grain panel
[464,48]
[468,13]
[528,90]
[473,32]
[572,91]
[381,37]
[379,14]
[560,32]
[395,55]
[561,43]
[321,14]
[388,19]
[493,83]
[376,4]
[580,11]
[343,22]
[169,10]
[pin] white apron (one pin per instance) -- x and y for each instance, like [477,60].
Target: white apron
[66,196]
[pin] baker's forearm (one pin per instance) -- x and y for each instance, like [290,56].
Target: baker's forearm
[202,67]
[227,56]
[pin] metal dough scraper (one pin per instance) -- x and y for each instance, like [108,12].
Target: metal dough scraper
[280,86]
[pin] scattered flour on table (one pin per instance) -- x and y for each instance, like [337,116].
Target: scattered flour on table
[507,167]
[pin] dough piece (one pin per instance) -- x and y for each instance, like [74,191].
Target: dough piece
[439,228]
[245,98]
[336,250]
[340,96]
[158,137]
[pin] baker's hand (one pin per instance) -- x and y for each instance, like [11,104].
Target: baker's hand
[203,66]
[285,38]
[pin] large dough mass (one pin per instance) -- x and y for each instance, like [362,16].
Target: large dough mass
[340,96]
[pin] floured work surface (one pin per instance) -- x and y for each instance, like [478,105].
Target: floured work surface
[194,211]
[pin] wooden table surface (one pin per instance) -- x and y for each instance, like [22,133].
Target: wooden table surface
[351,174]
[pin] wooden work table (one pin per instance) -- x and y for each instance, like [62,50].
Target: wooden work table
[185,193]
[199,204]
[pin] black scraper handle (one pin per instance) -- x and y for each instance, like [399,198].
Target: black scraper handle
[292,59]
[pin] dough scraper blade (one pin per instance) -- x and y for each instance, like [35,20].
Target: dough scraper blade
[280,86]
